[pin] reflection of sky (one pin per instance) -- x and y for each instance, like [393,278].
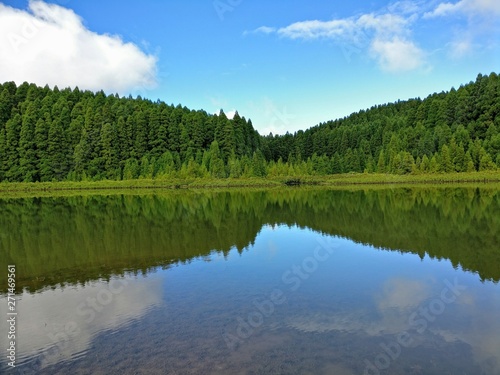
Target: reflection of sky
[65,320]
[356,290]
[385,288]
[362,289]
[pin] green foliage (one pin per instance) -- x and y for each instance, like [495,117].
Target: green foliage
[68,134]
[444,128]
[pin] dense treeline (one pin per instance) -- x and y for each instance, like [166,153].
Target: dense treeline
[51,134]
[48,135]
[69,240]
[446,132]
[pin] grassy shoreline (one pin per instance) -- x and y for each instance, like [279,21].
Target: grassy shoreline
[343,180]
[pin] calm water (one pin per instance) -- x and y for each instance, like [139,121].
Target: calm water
[312,281]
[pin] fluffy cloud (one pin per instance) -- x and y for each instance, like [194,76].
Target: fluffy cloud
[385,36]
[480,30]
[316,29]
[468,7]
[397,55]
[48,44]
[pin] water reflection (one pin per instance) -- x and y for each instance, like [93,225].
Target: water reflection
[76,239]
[59,324]
[287,281]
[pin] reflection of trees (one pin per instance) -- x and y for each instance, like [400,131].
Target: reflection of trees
[75,239]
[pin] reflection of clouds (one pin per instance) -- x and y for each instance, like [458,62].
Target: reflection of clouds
[466,320]
[480,329]
[473,322]
[64,320]
[397,300]
[402,293]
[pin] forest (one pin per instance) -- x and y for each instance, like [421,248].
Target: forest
[48,134]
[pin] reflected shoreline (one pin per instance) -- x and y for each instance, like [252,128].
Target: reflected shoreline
[71,240]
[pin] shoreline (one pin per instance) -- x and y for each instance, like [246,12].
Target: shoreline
[342,181]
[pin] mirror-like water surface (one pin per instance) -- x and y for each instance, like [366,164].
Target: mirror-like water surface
[296,281]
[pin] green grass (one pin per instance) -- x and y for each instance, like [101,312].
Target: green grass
[343,180]
[438,178]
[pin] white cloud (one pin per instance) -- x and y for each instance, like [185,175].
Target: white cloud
[385,24]
[385,36]
[444,9]
[48,44]
[262,30]
[316,29]
[460,48]
[467,7]
[397,55]
[480,31]
[404,7]
[230,114]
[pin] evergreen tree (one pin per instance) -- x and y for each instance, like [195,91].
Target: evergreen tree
[381,162]
[469,164]
[57,151]
[42,144]
[27,150]
[216,167]
[486,163]
[425,165]
[446,161]
[109,151]
[258,164]
[12,133]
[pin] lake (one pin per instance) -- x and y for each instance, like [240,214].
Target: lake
[277,281]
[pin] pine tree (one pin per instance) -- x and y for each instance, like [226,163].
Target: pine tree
[425,165]
[131,170]
[12,133]
[57,151]
[140,146]
[258,164]
[234,166]
[459,159]
[42,144]
[3,154]
[381,162]
[336,164]
[434,164]
[6,104]
[27,151]
[446,161]
[469,163]
[486,163]
[216,167]
[109,151]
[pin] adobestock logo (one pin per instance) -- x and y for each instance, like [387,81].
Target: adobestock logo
[223,6]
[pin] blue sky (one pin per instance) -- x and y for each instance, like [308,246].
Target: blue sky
[286,65]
